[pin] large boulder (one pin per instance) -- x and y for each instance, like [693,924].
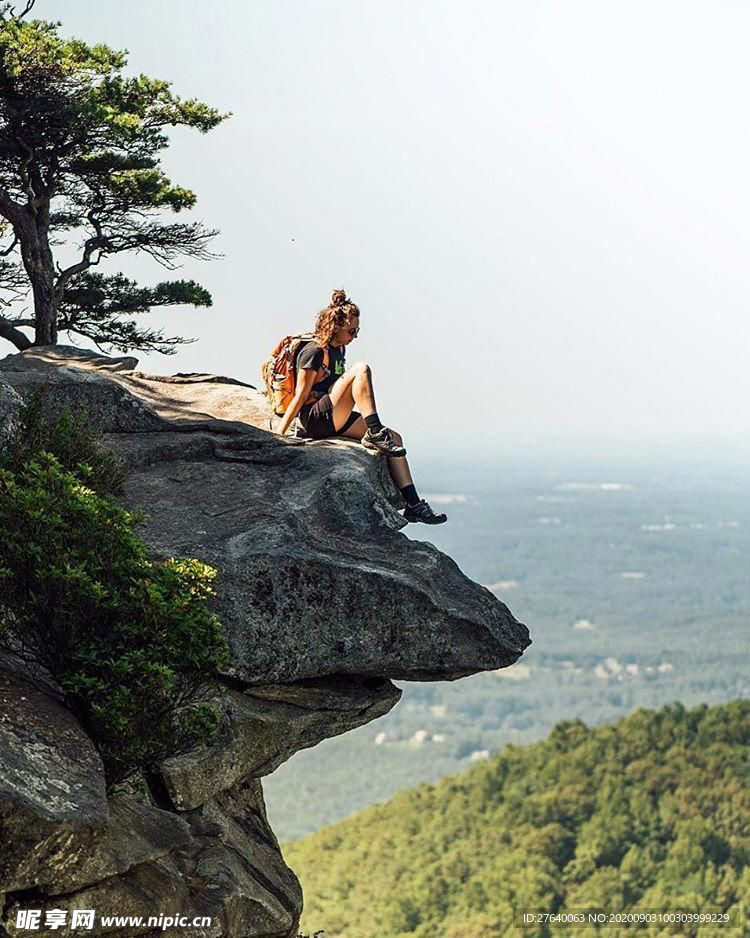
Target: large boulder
[136,833]
[182,399]
[250,890]
[58,830]
[265,725]
[53,804]
[41,357]
[109,405]
[314,579]
[230,875]
[323,601]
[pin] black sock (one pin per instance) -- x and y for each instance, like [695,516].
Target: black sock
[373,423]
[410,494]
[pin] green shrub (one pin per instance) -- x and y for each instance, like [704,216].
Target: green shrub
[128,639]
[70,438]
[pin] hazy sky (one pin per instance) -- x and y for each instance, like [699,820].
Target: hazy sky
[541,208]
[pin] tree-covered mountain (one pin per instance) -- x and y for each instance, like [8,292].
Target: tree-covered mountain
[651,812]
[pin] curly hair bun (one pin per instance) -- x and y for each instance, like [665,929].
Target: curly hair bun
[338,298]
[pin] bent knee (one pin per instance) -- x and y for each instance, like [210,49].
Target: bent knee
[361,368]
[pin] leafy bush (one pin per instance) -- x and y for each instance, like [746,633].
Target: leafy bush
[128,639]
[70,438]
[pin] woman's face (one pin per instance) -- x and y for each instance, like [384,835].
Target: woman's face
[347,333]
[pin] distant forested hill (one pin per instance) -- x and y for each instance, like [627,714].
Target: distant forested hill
[650,812]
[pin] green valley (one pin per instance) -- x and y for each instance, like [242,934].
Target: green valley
[650,812]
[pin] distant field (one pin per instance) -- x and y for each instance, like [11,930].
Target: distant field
[634,586]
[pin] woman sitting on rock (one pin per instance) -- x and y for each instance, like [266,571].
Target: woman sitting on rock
[335,391]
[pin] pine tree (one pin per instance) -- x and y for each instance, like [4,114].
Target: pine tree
[80,144]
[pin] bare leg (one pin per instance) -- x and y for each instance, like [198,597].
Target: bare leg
[353,388]
[398,465]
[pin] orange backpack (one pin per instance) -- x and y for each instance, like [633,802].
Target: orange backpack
[280,375]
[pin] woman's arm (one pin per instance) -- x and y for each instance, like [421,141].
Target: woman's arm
[305,381]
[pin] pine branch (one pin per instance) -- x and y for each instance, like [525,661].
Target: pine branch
[26,9]
[126,336]
[13,335]
[100,307]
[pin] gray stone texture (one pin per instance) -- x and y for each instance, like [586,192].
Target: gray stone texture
[10,401]
[323,601]
[53,803]
[230,870]
[264,725]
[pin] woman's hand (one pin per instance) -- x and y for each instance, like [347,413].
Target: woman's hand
[305,381]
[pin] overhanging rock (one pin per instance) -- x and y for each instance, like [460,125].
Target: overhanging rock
[323,601]
[265,725]
[314,578]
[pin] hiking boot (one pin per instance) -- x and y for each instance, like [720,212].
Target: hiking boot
[382,442]
[422,512]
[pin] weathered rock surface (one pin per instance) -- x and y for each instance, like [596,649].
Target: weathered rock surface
[108,405]
[265,725]
[135,833]
[52,796]
[323,601]
[313,578]
[57,829]
[65,847]
[188,399]
[230,872]
[10,401]
[40,358]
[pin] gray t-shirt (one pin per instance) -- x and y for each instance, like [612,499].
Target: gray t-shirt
[310,355]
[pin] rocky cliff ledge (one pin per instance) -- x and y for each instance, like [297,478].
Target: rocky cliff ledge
[323,601]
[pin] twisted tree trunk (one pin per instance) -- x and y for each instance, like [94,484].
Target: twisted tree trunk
[33,228]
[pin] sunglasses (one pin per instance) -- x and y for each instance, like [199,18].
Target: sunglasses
[353,331]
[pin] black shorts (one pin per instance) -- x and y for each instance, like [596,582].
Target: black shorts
[317,419]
